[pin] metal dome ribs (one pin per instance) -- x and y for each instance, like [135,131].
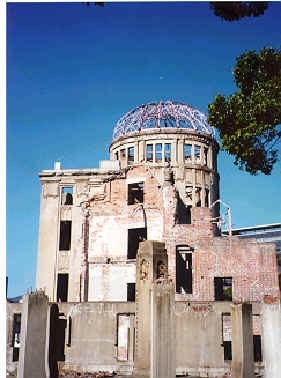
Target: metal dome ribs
[161,115]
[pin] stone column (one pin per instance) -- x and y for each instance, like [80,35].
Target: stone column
[151,264]
[32,360]
[242,365]
[162,330]
[271,325]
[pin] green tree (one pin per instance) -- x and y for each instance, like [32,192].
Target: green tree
[235,10]
[249,121]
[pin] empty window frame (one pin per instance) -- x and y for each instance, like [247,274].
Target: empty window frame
[167,152]
[16,336]
[65,236]
[184,269]
[131,291]
[67,195]
[135,193]
[135,236]
[158,152]
[205,155]
[123,336]
[131,153]
[62,287]
[257,348]
[149,152]
[197,151]
[207,198]
[223,288]
[226,336]
[187,152]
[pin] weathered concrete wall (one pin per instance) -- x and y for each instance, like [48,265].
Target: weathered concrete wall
[93,341]
[32,362]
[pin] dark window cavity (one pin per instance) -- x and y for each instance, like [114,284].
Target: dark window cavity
[149,152]
[205,155]
[67,195]
[223,288]
[206,197]
[135,236]
[135,193]
[184,269]
[65,236]
[131,155]
[226,336]
[62,287]
[131,291]
[257,348]
[16,336]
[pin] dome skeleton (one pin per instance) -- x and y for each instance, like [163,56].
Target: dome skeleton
[160,115]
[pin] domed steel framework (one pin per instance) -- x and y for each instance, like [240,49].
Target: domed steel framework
[160,115]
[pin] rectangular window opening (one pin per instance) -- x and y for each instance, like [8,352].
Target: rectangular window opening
[184,269]
[206,197]
[158,152]
[131,154]
[187,152]
[131,291]
[135,193]
[257,348]
[223,288]
[149,152]
[16,336]
[167,152]
[62,287]
[123,336]
[65,236]
[226,336]
[206,156]
[197,150]
[67,195]
[135,236]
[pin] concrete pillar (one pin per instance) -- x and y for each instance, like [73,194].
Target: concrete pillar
[242,365]
[271,325]
[32,361]
[150,260]
[162,330]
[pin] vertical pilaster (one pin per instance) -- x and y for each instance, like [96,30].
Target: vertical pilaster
[242,365]
[271,324]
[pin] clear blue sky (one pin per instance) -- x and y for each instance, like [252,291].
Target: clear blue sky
[73,71]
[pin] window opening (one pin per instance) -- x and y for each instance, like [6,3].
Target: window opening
[206,197]
[116,155]
[149,152]
[62,287]
[223,288]
[122,155]
[197,197]
[123,335]
[206,156]
[158,152]
[131,291]
[67,195]
[226,336]
[257,348]
[197,153]
[187,152]
[135,193]
[184,269]
[167,152]
[65,236]
[135,236]
[16,336]
[131,155]
[183,213]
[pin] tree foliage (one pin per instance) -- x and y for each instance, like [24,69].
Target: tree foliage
[249,121]
[235,10]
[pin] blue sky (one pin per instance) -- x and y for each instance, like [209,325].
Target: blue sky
[74,70]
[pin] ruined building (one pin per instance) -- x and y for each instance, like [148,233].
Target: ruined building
[151,212]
